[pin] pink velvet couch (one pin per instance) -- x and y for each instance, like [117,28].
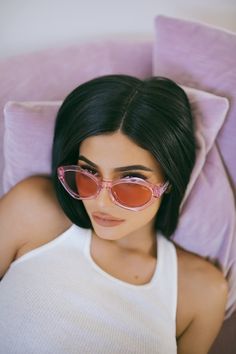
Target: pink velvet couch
[49,75]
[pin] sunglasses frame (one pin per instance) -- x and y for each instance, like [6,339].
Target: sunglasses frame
[156,189]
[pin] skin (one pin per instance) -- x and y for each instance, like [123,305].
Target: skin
[136,232]
[31,214]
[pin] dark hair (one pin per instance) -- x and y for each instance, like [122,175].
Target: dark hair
[154,113]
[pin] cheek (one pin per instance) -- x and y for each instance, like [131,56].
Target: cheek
[137,219]
[150,212]
[88,204]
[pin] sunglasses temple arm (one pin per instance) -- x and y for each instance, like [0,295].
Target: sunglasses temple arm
[160,190]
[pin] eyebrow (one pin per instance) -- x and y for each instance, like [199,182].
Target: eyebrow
[118,169]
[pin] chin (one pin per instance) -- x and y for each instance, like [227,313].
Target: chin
[109,233]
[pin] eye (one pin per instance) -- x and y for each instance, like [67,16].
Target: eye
[89,169]
[134,175]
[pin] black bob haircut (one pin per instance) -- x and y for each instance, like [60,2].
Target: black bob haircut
[154,113]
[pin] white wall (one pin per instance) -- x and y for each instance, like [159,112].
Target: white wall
[28,25]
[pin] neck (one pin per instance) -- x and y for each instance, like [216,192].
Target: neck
[140,242]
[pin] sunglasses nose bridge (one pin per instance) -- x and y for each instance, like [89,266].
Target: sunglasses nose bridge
[104,195]
[105,184]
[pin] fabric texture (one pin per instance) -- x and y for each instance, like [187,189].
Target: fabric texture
[202,229]
[49,74]
[28,139]
[203,57]
[79,308]
[207,224]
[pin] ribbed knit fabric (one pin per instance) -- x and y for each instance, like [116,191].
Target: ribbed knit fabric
[57,300]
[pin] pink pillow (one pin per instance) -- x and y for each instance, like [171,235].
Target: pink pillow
[51,73]
[203,57]
[27,150]
[27,140]
[207,224]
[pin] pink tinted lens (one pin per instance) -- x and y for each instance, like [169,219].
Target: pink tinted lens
[81,184]
[131,194]
[85,185]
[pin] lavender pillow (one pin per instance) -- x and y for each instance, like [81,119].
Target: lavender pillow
[207,224]
[27,140]
[27,150]
[53,72]
[203,57]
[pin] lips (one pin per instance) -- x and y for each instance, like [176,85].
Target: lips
[106,222]
[104,216]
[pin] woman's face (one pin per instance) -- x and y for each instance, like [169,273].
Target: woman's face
[109,152]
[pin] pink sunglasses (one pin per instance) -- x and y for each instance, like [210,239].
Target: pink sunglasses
[130,193]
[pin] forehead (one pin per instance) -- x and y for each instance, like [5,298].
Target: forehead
[116,150]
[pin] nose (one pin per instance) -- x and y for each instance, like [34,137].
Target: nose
[103,198]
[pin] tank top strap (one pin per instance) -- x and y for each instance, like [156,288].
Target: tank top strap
[167,271]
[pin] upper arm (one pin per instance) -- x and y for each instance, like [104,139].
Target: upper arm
[27,213]
[208,299]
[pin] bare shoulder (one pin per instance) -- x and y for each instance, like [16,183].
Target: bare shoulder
[30,216]
[202,296]
[33,201]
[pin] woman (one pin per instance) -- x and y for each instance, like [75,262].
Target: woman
[85,255]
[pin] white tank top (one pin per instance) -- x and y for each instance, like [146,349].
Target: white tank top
[56,300]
